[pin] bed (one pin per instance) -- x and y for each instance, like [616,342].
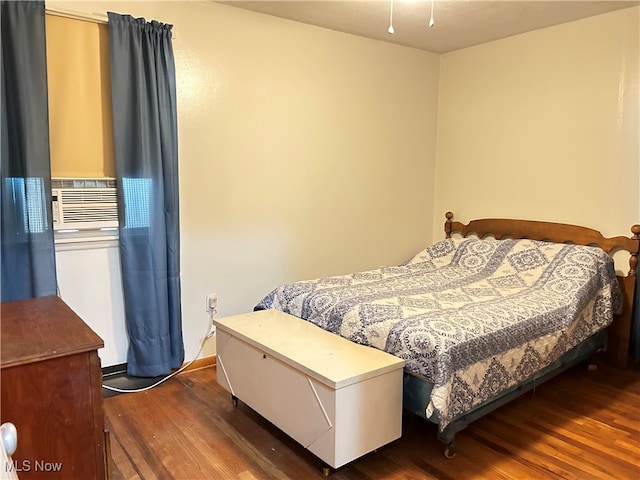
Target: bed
[483,316]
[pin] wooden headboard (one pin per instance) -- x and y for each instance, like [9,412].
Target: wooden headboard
[620,330]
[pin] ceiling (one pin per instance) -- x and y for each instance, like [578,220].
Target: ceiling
[458,23]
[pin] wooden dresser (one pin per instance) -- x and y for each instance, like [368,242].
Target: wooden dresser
[51,390]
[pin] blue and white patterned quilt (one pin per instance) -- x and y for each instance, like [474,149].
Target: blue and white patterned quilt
[474,317]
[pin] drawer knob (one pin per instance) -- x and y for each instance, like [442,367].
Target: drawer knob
[264,355]
[9,437]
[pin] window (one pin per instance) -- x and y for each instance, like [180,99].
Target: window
[36,219]
[137,197]
[80,118]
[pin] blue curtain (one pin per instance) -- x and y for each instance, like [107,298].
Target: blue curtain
[28,254]
[143,89]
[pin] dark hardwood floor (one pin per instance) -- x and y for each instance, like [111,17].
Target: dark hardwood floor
[581,425]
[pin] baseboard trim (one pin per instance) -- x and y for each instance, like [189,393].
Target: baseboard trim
[112,370]
[121,369]
[199,363]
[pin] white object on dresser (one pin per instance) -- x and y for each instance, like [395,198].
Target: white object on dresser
[338,399]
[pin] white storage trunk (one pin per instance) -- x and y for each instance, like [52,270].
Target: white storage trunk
[336,398]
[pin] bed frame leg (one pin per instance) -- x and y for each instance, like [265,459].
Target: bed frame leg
[234,400]
[450,450]
[326,470]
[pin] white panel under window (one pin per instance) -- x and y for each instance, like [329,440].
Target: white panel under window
[90,282]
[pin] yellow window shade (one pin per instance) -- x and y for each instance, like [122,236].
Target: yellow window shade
[80,119]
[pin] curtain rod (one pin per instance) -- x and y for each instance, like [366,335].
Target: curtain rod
[89,17]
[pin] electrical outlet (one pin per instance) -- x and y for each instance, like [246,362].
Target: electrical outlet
[212,302]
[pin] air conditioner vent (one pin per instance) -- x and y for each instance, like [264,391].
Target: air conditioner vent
[83,183]
[88,196]
[84,203]
[90,215]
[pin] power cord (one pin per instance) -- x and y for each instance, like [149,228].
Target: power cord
[211,331]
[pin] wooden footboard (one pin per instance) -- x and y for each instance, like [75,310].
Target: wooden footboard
[620,330]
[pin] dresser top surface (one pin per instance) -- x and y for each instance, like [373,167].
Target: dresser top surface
[41,328]
[329,358]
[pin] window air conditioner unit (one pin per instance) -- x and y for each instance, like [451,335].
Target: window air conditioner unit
[84,203]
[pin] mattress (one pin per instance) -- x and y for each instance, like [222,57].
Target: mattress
[473,317]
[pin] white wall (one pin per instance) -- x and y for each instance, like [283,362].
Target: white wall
[303,152]
[544,126]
